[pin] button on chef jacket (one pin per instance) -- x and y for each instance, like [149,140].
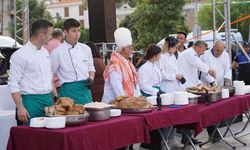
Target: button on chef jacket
[189,64]
[169,69]
[149,75]
[30,71]
[220,64]
[72,63]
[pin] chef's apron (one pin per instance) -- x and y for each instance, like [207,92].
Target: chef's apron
[35,103]
[147,95]
[78,91]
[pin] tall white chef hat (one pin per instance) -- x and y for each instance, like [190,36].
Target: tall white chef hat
[122,37]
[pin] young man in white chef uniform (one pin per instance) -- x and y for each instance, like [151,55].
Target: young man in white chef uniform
[30,77]
[73,63]
[120,75]
[190,64]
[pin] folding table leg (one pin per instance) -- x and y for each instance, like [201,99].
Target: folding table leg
[212,135]
[224,135]
[248,120]
[229,129]
[163,139]
[222,138]
[190,140]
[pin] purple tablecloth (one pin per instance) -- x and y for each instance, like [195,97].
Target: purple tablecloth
[222,110]
[105,135]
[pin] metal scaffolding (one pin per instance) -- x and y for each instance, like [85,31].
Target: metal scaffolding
[21,21]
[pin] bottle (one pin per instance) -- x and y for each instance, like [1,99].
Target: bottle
[207,101]
[158,100]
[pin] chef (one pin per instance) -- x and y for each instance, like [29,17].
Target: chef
[218,59]
[73,63]
[120,74]
[30,77]
[168,66]
[149,73]
[189,63]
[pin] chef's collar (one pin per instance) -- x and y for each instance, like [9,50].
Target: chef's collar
[33,46]
[69,45]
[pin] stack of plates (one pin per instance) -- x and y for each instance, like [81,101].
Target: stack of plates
[50,123]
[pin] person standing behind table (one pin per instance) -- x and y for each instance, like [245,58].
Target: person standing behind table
[182,38]
[171,75]
[241,63]
[149,75]
[73,63]
[57,39]
[30,77]
[189,64]
[98,86]
[120,74]
[218,59]
[149,79]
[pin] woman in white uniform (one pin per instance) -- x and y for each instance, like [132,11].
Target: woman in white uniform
[171,77]
[149,75]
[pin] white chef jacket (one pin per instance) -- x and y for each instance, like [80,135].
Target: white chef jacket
[189,63]
[169,69]
[220,64]
[149,75]
[30,71]
[113,87]
[72,63]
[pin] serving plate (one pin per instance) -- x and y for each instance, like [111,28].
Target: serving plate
[133,110]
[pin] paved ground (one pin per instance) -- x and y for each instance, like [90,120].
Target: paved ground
[244,136]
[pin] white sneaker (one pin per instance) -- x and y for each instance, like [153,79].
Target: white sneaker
[173,144]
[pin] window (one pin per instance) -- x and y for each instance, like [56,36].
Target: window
[82,22]
[81,10]
[66,11]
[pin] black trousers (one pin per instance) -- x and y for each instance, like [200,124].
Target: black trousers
[155,141]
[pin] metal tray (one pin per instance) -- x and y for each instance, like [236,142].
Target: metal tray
[74,120]
[133,110]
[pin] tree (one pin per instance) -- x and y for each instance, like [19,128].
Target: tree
[154,20]
[36,10]
[238,10]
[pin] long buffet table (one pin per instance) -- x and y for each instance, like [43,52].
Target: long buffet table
[127,129]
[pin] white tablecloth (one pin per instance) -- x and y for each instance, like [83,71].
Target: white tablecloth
[6,101]
[7,120]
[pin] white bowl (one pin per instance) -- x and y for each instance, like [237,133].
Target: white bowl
[167,99]
[55,122]
[115,112]
[38,122]
[152,100]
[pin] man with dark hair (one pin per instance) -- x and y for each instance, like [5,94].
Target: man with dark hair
[30,77]
[181,37]
[73,63]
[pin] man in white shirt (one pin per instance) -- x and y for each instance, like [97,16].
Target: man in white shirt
[120,75]
[190,63]
[73,63]
[30,77]
[218,59]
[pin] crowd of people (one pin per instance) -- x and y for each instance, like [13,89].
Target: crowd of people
[55,64]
